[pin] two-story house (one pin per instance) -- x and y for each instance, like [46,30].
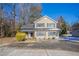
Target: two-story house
[42,28]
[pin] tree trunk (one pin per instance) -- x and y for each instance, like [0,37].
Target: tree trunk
[1,21]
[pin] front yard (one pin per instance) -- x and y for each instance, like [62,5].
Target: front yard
[38,48]
[12,40]
[7,40]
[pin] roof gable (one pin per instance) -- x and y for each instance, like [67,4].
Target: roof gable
[45,18]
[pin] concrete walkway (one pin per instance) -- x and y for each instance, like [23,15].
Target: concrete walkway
[42,48]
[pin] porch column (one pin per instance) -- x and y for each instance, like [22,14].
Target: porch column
[57,34]
[46,34]
[35,34]
[29,35]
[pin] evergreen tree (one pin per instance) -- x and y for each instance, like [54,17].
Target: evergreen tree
[62,25]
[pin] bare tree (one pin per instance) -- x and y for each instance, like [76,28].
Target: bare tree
[35,12]
[1,20]
[13,13]
[29,12]
[24,13]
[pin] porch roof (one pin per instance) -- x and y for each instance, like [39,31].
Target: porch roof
[38,29]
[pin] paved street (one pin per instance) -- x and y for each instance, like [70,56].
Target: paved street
[41,48]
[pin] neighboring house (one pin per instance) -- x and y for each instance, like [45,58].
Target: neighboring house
[42,28]
[75,29]
[75,33]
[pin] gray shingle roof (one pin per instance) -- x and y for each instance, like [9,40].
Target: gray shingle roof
[28,26]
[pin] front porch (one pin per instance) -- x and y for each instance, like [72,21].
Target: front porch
[46,34]
[29,35]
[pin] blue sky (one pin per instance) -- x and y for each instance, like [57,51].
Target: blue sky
[70,12]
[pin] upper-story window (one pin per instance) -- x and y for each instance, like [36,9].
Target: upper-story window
[51,25]
[40,25]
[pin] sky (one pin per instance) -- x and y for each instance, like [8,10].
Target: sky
[69,11]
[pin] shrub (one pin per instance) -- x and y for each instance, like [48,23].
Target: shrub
[53,37]
[20,36]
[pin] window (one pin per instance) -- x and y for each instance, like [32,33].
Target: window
[40,25]
[50,33]
[51,25]
[40,33]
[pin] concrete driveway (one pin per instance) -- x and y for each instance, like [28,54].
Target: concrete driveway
[41,48]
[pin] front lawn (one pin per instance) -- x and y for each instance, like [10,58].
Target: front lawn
[7,40]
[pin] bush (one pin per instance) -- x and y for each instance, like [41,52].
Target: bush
[20,36]
[53,37]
